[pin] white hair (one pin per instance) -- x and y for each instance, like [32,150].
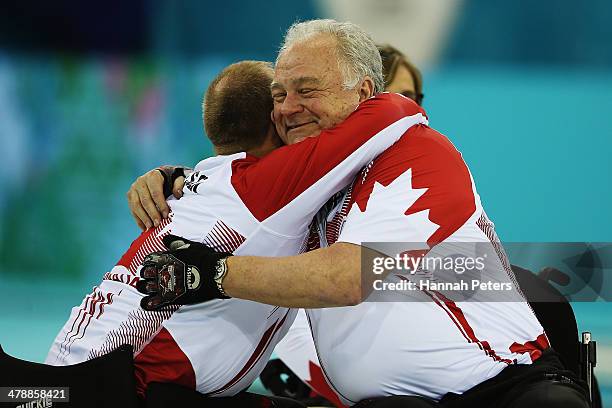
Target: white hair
[359,56]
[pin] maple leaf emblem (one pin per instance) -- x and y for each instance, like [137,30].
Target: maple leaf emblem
[385,218]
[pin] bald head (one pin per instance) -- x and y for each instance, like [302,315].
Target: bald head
[237,107]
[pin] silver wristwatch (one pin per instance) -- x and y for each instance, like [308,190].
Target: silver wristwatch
[220,272]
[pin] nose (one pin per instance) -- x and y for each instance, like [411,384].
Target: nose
[291,104]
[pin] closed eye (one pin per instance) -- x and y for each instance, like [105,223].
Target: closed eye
[279,97]
[306,91]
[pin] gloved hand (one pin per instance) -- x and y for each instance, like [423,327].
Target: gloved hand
[170,174]
[188,272]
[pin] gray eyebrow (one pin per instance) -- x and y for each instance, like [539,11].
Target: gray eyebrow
[276,85]
[303,80]
[296,82]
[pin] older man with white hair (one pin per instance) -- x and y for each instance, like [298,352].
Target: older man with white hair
[413,353]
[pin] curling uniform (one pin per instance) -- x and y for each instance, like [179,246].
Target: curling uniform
[419,191]
[240,204]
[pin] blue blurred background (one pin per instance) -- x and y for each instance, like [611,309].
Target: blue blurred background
[91,96]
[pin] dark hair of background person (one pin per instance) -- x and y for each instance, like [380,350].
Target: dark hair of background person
[392,58]
[237,106]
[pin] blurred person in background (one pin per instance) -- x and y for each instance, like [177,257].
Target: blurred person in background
[401,75]
[408,355]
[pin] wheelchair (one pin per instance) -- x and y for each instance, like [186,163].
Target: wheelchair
[578,354]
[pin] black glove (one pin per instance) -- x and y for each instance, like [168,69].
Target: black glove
[185,274]
[170,174]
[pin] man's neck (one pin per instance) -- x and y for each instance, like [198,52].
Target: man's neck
[261,151]
[270,143]
[257,152]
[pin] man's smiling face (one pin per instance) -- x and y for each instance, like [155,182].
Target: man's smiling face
[308,90]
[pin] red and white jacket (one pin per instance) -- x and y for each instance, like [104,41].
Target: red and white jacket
[240,204]
[419,191]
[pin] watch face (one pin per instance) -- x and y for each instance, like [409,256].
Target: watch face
[220,269]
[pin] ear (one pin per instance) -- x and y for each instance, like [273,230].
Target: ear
[272,116]
[366,89]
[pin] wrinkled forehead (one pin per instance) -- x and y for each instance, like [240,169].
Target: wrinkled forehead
[307,63]
[307,47]
[298,80]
